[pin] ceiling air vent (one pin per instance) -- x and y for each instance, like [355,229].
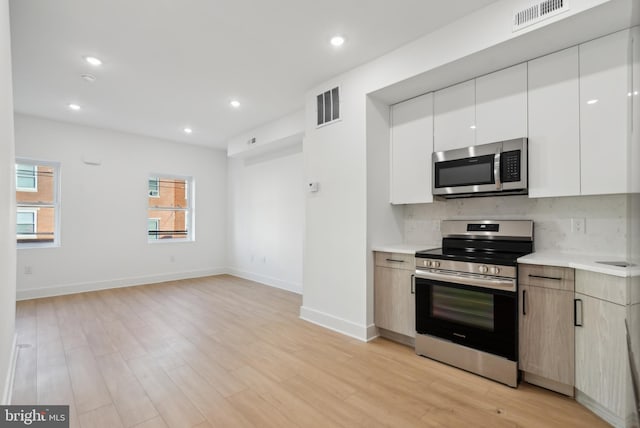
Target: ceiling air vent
[328,106]
[538,12]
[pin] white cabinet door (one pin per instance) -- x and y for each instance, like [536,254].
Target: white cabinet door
[605,113]
[455,117]
[554,125]
[501,105]
[411,149]
[635,108]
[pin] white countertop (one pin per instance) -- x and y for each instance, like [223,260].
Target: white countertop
[404,248]
[579,261]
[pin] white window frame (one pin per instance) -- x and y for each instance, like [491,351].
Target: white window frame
[35,179]
[55,204]
[33,211]
[189,209]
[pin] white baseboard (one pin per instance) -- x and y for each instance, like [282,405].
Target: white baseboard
[266,280]
[11,373]
[597,408]
[61,290]
[340,325]
[372,332]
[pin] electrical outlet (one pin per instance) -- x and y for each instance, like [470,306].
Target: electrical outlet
[28,270]
[578,225]
[172,259]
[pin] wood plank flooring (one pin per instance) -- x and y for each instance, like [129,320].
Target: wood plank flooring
[225,352]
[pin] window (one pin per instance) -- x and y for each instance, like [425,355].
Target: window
[154,187]
[36,203]
[153,224]
[26,178]
[170,209]
[26,221]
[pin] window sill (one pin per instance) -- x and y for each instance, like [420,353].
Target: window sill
[170,241]
[32,245]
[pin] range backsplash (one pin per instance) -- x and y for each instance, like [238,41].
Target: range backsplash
[606,220]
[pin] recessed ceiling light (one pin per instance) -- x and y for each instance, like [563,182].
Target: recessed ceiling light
[93,60]
[472,127]
[74,107]
[234,103]
[88,77]
[590,102]
[337,41]
[188,130]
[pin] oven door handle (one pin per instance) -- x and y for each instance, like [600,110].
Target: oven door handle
[495,283]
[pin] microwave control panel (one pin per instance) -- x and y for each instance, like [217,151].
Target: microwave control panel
[510,166]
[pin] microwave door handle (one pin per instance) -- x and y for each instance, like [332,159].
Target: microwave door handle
[496,168]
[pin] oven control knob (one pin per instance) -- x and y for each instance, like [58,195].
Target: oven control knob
[494,270]
[435,264]
[483,269]
[427,263]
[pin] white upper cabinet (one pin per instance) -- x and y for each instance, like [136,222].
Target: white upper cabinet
[501,105]
[411,149]
[635,109]
[455,117]
[605,114]
[554,125]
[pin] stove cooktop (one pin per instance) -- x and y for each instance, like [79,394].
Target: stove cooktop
[496,258]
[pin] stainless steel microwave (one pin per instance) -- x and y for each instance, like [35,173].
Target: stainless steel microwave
[489,169]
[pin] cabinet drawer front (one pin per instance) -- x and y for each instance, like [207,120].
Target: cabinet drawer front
[557,278]
[396,260]
[606,287]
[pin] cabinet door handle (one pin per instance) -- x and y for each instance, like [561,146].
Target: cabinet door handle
[576,312]
[524,302]
[555,278]
[413,284]
[395,260]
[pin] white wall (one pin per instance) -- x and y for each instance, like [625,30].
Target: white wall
[103,209]
[266,218]
[337,279]
[385,222]
[279,134]
[7,209]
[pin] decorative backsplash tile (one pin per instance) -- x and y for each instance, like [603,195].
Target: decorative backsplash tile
[607,220]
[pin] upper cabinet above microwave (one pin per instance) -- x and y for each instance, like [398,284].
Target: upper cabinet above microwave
[455,117]
[501,105]
[485,110]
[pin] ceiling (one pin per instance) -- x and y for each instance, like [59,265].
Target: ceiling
[171,64]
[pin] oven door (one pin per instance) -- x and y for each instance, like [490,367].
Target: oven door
[470,310]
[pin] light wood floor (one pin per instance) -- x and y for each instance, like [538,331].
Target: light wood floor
[225,352]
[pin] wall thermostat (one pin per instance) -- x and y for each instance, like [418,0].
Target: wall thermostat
[313,187]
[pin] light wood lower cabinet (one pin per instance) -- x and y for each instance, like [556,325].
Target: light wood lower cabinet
[603,378]
[393,295]
[546,326]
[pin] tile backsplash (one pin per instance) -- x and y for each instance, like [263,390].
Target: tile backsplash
[606,220]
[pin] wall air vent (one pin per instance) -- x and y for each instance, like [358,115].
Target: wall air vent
[538,12]
[328,106]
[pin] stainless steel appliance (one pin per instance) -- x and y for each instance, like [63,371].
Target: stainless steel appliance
[466,296]
[485,170]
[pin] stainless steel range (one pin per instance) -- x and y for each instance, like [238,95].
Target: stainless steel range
[466,296]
